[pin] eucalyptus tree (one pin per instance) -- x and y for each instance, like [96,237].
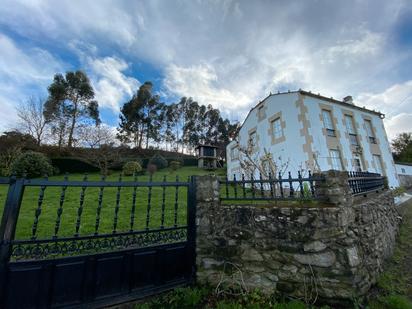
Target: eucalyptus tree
[70,101]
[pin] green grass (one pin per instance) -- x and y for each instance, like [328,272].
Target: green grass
[50,205]
[394,287]
[206,298]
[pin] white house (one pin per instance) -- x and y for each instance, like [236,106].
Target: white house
[304,131]
[404,171]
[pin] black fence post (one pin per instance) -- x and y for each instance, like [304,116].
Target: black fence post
[8,228]
[191,224]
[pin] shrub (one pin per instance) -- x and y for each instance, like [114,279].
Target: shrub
[151,169]
[190,162]
[33,164]
[177,159]
[131,168]
[174,165]
[73,165]
[158,160]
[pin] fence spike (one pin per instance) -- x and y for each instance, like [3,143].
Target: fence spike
[117,207]
[162,217]
[132,212]
[176,206]
[149,203]
[99,206]
[60,209]
[38,211]
[80,209]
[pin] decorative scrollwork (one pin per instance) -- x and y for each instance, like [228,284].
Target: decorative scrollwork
[54,248]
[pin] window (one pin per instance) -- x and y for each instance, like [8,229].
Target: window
[351,130]
[349,124]
[252,139]
[261,112]
[277,128]
[336,159]
[369,130]
[378,164]
[234,153]
[327,122]
[358,165]
[403,171]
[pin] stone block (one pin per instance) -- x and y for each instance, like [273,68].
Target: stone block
[326,259]
[314,246]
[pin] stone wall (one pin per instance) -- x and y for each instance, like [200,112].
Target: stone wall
[405,181]
[334,250]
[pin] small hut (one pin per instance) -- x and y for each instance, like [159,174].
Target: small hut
[207,156]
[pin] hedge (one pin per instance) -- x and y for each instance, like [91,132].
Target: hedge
[73,165]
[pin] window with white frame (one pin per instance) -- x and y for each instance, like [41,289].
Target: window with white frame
[234,153]
[349,124]
[351,130]
[252,139]
[358,165]
[369,130]
[277,128]
[261,112]
[378,164]
[327,122]
[336,159]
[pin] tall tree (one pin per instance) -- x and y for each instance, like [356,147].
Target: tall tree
[132,116]
[71,97]
[402,146]
[31,118]
[141,117]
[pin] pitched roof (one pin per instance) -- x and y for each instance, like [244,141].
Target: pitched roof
[317,96]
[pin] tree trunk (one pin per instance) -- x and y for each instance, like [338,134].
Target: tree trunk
[70,141]
[147,136]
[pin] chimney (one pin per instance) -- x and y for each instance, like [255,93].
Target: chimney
[348,99]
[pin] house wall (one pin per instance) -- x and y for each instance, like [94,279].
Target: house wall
[407,169]
[282,106]
[405,174]
[305,145]
[322,143]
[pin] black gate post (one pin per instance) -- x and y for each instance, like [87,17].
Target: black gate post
[8,229]
[191,224]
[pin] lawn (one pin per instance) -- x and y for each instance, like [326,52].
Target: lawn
[69,217]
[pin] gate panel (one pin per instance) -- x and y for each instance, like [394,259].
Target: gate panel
[98,269]
[66,288]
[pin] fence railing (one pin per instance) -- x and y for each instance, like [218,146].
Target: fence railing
[45,218]
[247,187]
[364,182]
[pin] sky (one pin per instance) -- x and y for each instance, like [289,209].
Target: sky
[230,54]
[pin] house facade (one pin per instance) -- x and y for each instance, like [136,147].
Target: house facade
[404,171]
[302,131]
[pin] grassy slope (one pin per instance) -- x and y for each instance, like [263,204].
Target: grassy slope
[394,288]
[47,221]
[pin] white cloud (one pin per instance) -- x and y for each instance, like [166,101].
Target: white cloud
[395,102]
[111,85]
[23,73]
[226,53]
[398,124]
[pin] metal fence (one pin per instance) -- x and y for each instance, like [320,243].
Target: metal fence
[57,241]
[269,188]
[365,182]
[98,242]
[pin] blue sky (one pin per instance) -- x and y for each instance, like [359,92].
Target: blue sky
[226,53]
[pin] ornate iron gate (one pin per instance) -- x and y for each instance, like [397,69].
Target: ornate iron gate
[98,268]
